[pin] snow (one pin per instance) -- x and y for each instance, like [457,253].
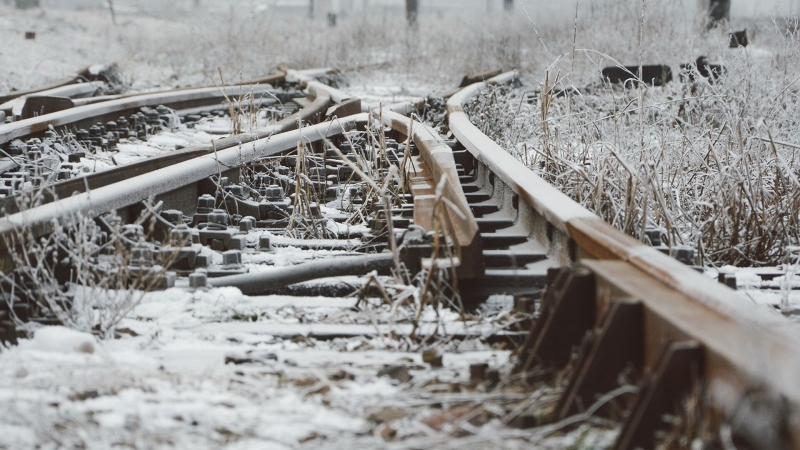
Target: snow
[165,381]
[209,368]
[61,340]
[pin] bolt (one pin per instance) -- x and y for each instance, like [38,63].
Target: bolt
[181,236]
[235,190]
[198,280]
[133,232]
[142,255]
[172,216]
[274,193]
[246,224]
[206,204]
[264,243]
[218,217]
[232,258]
[315,212]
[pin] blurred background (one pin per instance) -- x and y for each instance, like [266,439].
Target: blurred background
[160,43]
[538,9]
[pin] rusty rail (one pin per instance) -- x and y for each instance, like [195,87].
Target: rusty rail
[685,332]
[435,165]
[168,183]
[310,114]
[85,74]
[111,110]
[435,169]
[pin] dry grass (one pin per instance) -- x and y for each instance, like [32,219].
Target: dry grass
[88,274]
[713,165]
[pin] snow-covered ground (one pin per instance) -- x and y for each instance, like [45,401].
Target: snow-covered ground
[216,369]
[168,381]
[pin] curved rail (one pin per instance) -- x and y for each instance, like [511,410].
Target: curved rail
[676,318]
[310,114]
[85,74]
[437,167]
[111,110]
[127,192]
[437,170]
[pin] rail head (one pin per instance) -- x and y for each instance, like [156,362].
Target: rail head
[761,332]
[176,99]
[40,220]
[548,201]
[438,159]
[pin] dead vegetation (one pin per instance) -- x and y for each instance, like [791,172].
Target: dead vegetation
[88,274]
[712,164]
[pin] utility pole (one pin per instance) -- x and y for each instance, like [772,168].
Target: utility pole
[311,4]
[508,5]
[720,10]
[412,12]
[26,4]
[715,11]
[323,7]
[113,13]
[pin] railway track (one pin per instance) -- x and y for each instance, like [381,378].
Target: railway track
[432,216]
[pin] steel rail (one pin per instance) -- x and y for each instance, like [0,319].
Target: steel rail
[310,114]
[259,282]
[111,110]
[73,78]
[66,88]
[275,79]
[436,166]
[39,220]
[437,170]
[681,319]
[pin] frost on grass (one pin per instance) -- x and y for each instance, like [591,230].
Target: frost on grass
[173,44]
[712,164]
